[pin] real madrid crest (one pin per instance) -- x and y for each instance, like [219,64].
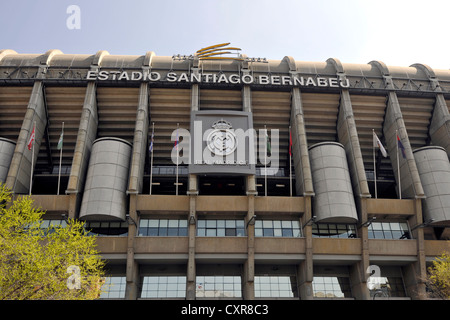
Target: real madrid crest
[222,141]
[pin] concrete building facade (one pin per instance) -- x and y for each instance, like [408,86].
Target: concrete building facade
[309,212]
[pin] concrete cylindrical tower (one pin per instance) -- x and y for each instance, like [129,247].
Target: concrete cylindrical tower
[104,196]
[434,170]
[7,148]
[334,200]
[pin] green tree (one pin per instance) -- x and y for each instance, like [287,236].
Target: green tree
[439,277]
[45,263]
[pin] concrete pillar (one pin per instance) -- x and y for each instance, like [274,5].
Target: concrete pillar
[303,176]
[87,133]
[348,137]
[18,179]
[140,144]
[132,267]
[439,130]
[393,120]
[358,275]
[305,271]
[440,124]
[411,186]
[192,193]
[249,265]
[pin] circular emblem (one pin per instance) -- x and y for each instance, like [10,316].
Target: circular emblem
[221,141]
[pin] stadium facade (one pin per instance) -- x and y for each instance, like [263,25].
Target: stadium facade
[303,206]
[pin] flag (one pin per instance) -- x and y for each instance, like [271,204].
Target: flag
[377,143]
[60,141]
[268,143]
[401,147]
[31,140]
[150,148]
[290,142]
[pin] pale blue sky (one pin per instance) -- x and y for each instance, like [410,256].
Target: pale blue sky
[397,32]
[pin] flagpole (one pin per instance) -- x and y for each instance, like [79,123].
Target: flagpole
[290,161]
[60,158]
[374,163]
[265,165]
[398,166]
[151,158]
[32,157]
[176,182]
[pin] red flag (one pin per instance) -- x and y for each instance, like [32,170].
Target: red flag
[31,140]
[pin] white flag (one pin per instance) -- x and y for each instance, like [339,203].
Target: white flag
[377,143]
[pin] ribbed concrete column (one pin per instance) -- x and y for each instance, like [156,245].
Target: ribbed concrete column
[87,133]
[192,193]
[439,130]
[140,149]
[440,124]
[305,270]
[348,137]
[132,267]
[18,179]
[249,265]
[303,177]
[393,120]
[410,180]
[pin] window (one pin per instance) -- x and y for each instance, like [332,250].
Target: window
[220,228]
[106,228]
[389,287]
[275,287]
[164,287]
[277,228]
[331,287]
[334,230]
[162,227]
[113,288]
[50,225]
[389,230]
[218,286]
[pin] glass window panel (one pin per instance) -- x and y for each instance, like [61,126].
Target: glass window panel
[162,232]
[201,223]
[277,224]
[153,232]
[201,232]
[378,234]
[221,233]
[210,232]
[295,224]
[258,224]
[395,226]
[173,232]
[240,232]
[240,224]
[153,223]
[258,232]
[386,226]
[287,233]
[267,224]
[286,224]
[296,233]
[387,234]
[231,223]
[220,223]
[173,223]
[268,232]
[230,232]
[163,223]
[182,232]
[404,226]
[211,223]
[277,232]
[182,223]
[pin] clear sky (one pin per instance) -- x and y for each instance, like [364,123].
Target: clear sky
[397,32]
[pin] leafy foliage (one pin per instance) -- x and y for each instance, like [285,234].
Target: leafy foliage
[439,277]
[34,261]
